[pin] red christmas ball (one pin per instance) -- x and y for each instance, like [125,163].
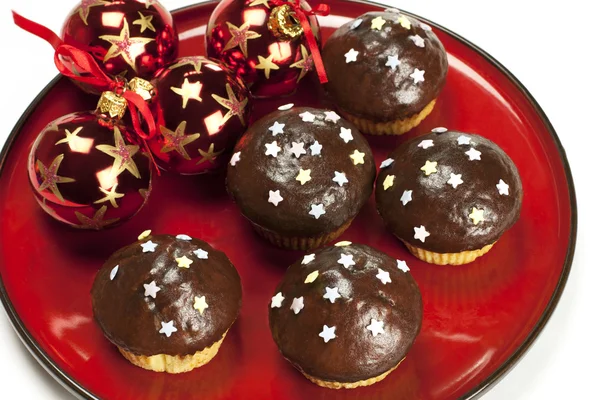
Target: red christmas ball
[127,37]
[87,172]
[200,110]
[262,43]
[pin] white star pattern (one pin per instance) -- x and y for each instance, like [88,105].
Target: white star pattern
[275,197]
[402,265]
[340,178]
[439,129]
[315,148]
[417,40]
[356,23]
[331,294]
[418,76]
[406,197]
[285,107]
[346,260]
[183,237]
[168,329]
[473,154]
[332,116]
[376,327]
[327,333]
[383,276]
[455,180]
[307,117]
[150,289]
[421,233]
[425,144]
[297,149]
[113,272]
[346,134]
[297,304]
[276,128]
[308,258]
[277,300]
[351,56]
[148,247]
[235,158]
[462,139]
[392,62]
[316,210]
[272,149]
[502,187]
[201,254]
[386,163]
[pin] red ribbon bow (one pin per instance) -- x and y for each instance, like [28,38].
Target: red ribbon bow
[302,15]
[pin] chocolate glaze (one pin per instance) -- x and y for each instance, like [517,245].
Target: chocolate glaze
[354,354]
[368,88]
[441,209]
[255,174]
[132,321]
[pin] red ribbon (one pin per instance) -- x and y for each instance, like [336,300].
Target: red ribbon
[302,14]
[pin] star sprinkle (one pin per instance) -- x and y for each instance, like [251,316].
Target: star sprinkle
[308,258]
[455,180]
[440,129]
[310,278]
[305,63]
[276,128]
[183,262]
[113,272]
[340,178]
[425,144]
[351,56]
[110,196]
[84,8]
[332,116]
[356,23]
[149,246]
[235,158]
[357,157]
[406,197]
[331,294]
[303,176]
[177,140]
[209,155]
[200,304]
[267,65]
[168,329]
[502,187]
[383,276]
[277,300]
[392,62]
[151,289]
[328,333]
[97,222]
[346,260]
[260,3]
[418,76]
[421,233]
[201,254]
[183,237]
[297,149]
[144,234]
[297,304]
[122,154]
[462,139]
[124,45]
[376,327]
[473,154]
[343,243]
[404,22]
[286,107]
[315,148]
[388,182]
[346,134]
[316,210]
[275,197]
[417,40]
[377,23]
[307,116]
[386,163]
[145,22]
[272,149]
[232,104]
[476,215]
[69,137]
[429,167]
[402,265]
[196,62]
[188,91]
[239,37]
[50,177]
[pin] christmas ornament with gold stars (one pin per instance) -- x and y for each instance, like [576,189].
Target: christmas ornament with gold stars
[86,172]
[130,38]
[201,109]
[264,43]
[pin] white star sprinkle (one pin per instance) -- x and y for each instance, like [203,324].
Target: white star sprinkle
[383,276]
[425,144]
[429,167]
[377,23]
[386,163]
[297,304]
[200,304]
[272,149]
[501,186]
[402,265]
[439,129]
[392,62]
[308,258]
[417,40]
[148,247]
[297,149]
[168,329]
[331,294]
[201,254]
[307,116]
[328,333]
[275,197]
[356,23]
[235,158]
[316,210]
[150,289]
[277,300]
[376,327]
[315,148]
[285,107]
[113,272]
[477,215]
[425,27]
[340,178]
[332,116]
[462,139]
[183,262]
[346,134]
[183,237]
[406,197]
[346,260]
[276,128]
[418,76]
[473,154]
[351,56]
[455,180]
[421,233]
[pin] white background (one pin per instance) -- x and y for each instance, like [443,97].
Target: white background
[551,47]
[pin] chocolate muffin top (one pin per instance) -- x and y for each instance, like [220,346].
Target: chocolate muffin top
[384,66]
[166,294]
[449,191]
[301,172]
[346,313]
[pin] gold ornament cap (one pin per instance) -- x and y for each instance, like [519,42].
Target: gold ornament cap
[142,87]
[112,104]
[283,23]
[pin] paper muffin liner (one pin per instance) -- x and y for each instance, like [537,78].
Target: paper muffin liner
[298,242]
[396,127]
[174,364]
[464,257]
[349,385]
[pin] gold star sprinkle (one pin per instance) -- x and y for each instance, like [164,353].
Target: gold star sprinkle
[476,215]
[124,45]
[123,155]
[429,167]
[377,23]
[305,64]
[404,22]
[240,37]
[183,262]
[303,176]
[196,62]
[110,195]
[343,244]
[97,222]
[84,8]
[144,22]
[177,140]
[50,177]
[69,136]
[232,103]
[357,157]
[310,278]
[260,2]
[188,91]
[200,304]
[210,155]
[266,64]
[388,182]
[144,234]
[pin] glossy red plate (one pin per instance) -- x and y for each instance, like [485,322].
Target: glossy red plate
[479,319]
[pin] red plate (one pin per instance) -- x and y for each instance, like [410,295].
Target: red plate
[479,319]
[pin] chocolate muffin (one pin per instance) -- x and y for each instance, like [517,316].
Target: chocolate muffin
[346,315]
[449,195]
[300,176]
[385,71]
[167,302]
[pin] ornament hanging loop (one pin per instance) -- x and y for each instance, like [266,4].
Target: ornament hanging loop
[284,24]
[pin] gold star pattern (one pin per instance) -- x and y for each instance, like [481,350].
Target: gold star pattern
[188,91]
[305,64]
[232,103]
[267,65]
[183,262]
[84,8]
[177,140]
[123,45]
[377,23]
[209,155]
[50,179]
[310,278]
[260,2]
[200,304]
[429,167]
[69,136]
[123,155]
[388,182]
[404,22]
[110,195]
[476,215]
[97,222]
[240,37]
[195,61]
[144,22]
[357,157]
[303,176]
